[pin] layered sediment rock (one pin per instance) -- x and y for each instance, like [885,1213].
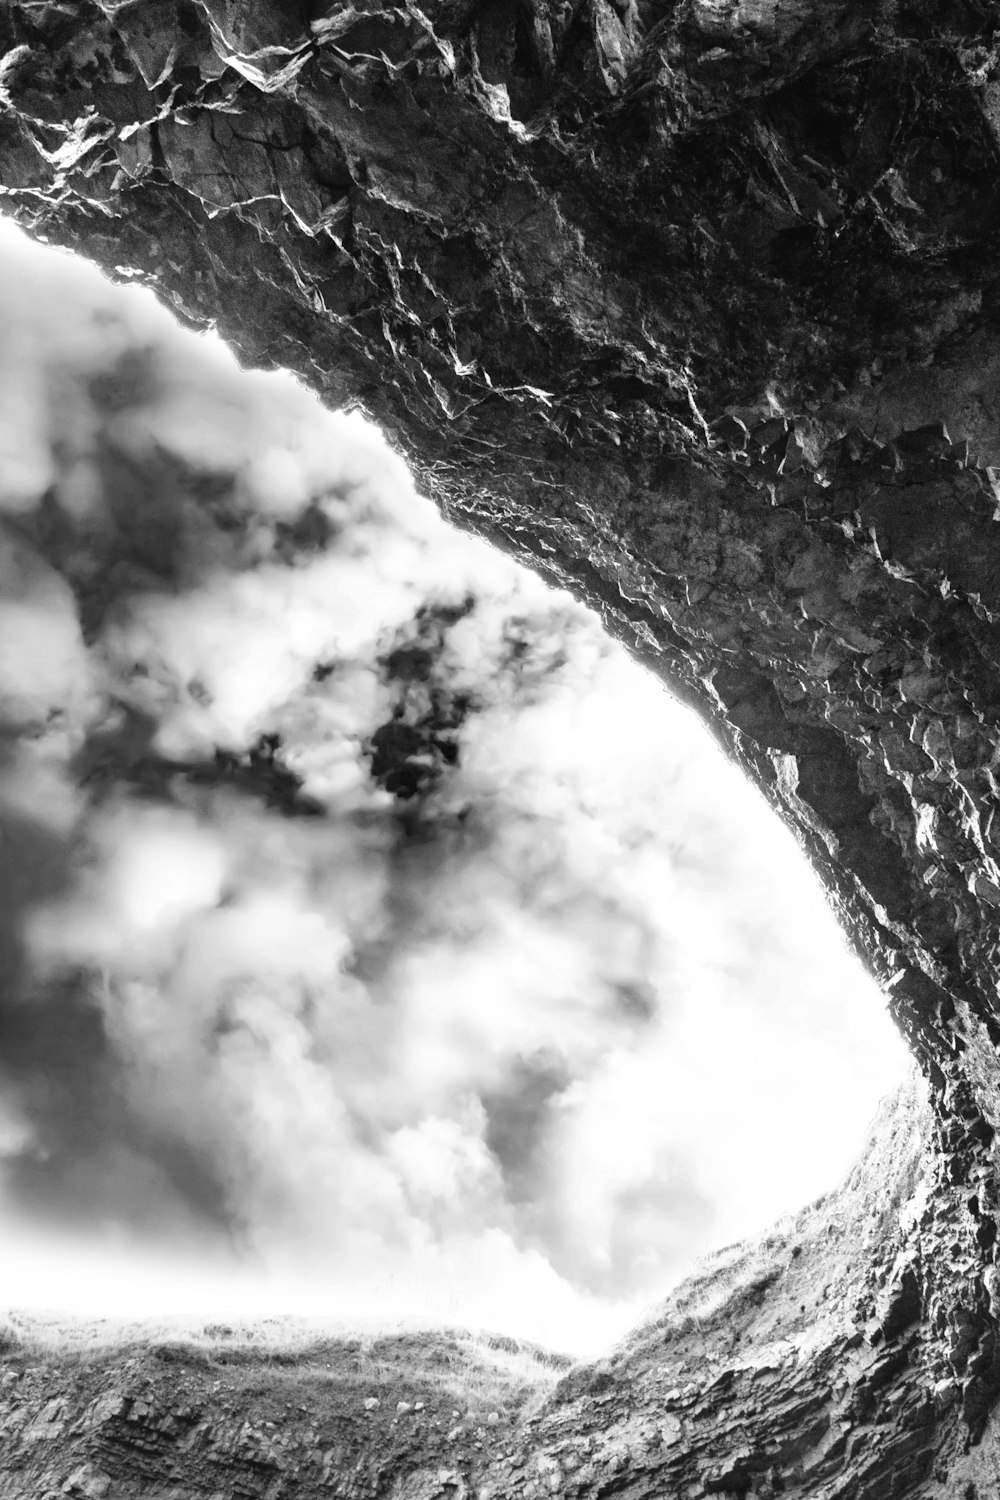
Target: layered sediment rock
[696,310]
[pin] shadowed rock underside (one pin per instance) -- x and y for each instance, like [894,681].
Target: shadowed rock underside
[694,308]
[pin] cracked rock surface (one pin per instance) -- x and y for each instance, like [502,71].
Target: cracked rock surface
[696,308]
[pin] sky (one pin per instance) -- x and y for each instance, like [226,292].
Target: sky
[378,939]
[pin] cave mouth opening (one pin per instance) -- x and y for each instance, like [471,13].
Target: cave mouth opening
[382,939]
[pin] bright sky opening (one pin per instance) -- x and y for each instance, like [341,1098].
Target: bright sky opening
[378,938]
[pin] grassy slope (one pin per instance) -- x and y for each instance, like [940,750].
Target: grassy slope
[281,1407]
[273,1400]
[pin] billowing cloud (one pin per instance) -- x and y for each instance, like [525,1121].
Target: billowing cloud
[378,933]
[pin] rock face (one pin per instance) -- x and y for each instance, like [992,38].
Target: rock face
[695,308]
[830,1359]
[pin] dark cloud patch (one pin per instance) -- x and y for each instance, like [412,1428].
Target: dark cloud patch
[518,1117]
[413,749]
[33,867]
[62,1079]
[91,1158]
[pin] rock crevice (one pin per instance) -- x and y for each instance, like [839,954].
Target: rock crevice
[696,311]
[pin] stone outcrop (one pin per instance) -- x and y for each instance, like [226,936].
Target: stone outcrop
[833,1358]
[695,308]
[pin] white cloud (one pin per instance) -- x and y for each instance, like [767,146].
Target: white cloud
[515,1049]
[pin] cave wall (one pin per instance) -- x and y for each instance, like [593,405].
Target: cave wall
[695,309]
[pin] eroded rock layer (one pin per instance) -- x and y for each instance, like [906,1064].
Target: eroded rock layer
[808,1364]
[695,308]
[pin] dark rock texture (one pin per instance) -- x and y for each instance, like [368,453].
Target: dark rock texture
[696,308]
[831,1359]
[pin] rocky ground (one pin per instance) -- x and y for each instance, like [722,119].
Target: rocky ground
[696,309]
[801,1365]
[207,1413]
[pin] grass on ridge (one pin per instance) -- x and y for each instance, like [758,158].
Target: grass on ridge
[474,1372]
